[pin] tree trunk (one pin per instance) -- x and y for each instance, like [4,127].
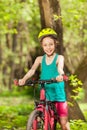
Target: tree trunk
[0,54]
[74,110]
[12,64]
[51,17]
[82,74]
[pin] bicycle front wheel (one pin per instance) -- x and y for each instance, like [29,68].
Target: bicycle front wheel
[35,121]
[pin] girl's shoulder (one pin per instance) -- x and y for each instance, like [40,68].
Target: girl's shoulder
[39,59]
[60,58]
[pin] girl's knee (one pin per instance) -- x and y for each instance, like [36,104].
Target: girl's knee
[64,124]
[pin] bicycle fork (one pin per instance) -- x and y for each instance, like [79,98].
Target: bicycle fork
[46,119]
[45,115]
[49,119]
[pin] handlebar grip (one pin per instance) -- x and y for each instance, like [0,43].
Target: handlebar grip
[30,82]
[65,78]
[16,82]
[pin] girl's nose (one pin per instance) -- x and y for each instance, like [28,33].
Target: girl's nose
[48,47]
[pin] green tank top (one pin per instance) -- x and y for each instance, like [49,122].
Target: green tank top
[54,91]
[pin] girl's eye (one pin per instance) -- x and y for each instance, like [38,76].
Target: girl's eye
[48,44]
[45,45]
[51,44]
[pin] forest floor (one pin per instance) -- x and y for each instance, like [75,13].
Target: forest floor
[14,112]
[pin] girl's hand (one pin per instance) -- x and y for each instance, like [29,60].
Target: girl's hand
[59,78]
[21,82]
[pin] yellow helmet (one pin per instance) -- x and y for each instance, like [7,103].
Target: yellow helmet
[47,32]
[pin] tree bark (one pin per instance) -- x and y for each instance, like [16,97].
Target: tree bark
[82,74]
[74,110]
[0,54]
[51,17]
[11,62]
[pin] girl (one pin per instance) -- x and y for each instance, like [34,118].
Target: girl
[51,67]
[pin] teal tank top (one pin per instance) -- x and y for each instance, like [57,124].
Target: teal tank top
[54,91]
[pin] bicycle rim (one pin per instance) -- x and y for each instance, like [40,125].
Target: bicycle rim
[35,121]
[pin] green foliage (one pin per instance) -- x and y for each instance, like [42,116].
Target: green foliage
[76,85]
[85,114]
[78,125]
[9,13]
[83,107]
[74,81]
[14,111]
[17,92]
[17,19]
[74,20]
[13,12]
[14,117]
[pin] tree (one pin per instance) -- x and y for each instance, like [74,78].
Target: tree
[81,72]
[75,38]
[74,32]
[17,20]
[51,17]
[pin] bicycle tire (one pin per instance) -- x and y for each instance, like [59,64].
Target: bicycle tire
[35,121]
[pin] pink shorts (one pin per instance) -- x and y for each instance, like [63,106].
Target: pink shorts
[62,108]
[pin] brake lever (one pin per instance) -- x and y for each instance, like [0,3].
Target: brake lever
[16,82]
[65,77]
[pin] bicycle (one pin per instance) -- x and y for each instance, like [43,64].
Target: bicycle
[44,116]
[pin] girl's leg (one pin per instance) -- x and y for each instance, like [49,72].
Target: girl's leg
[64,123]
[68,125]
[62,109]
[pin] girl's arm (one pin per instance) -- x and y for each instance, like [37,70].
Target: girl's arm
[60,65]
[31,72]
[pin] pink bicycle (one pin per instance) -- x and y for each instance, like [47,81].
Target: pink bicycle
[44,116]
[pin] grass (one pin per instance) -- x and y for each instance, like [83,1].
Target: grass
[16,107]
[14,112]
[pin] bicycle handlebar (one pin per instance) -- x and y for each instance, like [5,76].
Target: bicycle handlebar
[30,82]
[33,82]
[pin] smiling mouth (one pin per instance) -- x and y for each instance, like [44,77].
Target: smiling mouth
[51,53]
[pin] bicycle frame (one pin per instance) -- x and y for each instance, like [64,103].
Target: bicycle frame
[45,108]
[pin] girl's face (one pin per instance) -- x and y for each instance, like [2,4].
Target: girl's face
[48,46]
